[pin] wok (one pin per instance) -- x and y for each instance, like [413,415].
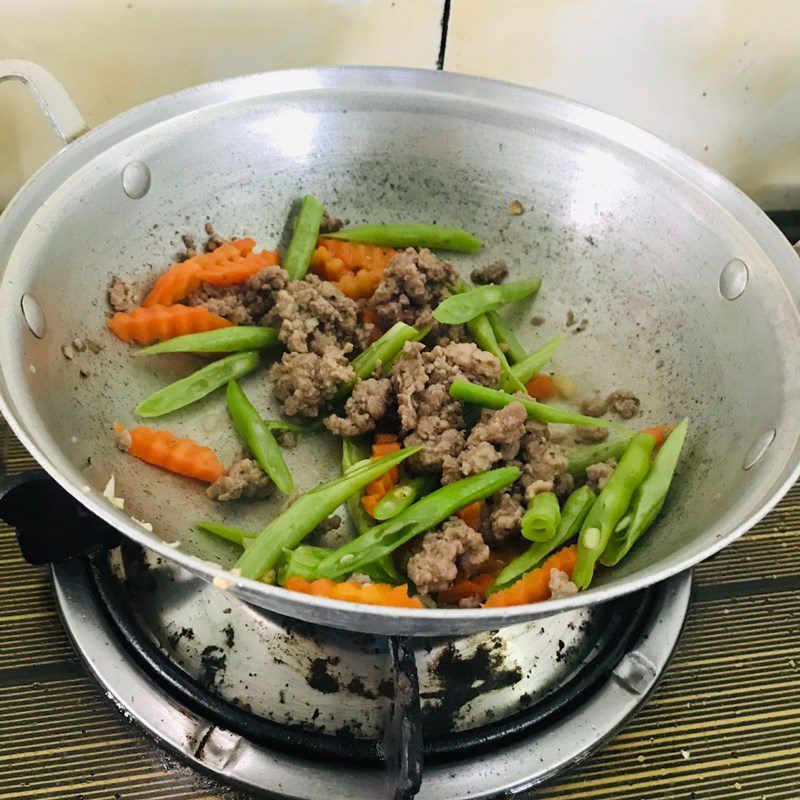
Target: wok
[690,292]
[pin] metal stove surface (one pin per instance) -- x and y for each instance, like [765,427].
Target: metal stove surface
[332,683]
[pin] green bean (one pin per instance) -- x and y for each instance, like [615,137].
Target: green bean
[532,364]
[649,497]
[304,238]
[611,506]
[542,517]
[423,515]
[492,398]
[595,453]
[312,426]
[356,451]
[437,237]
[290,527]
[464,306]
[572,515]
[505,336]
[259,438]
[197,385]
[304,560]
[388,365]
[403,495]
[223,340]
[236,535]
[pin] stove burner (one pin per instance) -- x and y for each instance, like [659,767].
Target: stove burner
[515,751]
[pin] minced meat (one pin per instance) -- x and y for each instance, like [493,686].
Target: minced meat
[594,406]
[504,518]
[496,272]
[444,555]
[313,315]
[624,403]
[497,439]
[368,403]
[330,224]
[412,285]
[561,585]
[597,475]
[589,435]
[545,464]
[124,295]
[428,415]
[245,303]
[244,478]
[304,382]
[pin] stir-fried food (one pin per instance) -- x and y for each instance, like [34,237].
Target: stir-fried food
[471,475]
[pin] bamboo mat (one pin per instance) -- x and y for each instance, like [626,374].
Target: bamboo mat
[724,722]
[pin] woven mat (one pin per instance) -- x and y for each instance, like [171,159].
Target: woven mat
[724,722]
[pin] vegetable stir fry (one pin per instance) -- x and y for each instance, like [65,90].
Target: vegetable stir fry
[470,475]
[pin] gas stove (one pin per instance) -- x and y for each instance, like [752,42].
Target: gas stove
[291,710]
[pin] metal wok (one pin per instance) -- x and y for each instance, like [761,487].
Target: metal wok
[690,292]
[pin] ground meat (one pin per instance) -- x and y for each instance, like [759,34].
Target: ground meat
[589,435]
[313,315]
[546,465]
[495,440]
[473,601]
[428,415]
[413,285]
[360,578]
[245,303]
[304,382]
[624,403]
[537,320]
[496,272]
[124,440]
[214,239]
[368,403]
[124,295]
[597,475]
[244,478]
[594,406]
[504,517]
[444,555]
[561,585]
[515,208]
[330,224]
[330,523]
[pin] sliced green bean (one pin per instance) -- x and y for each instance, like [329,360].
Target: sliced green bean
[595,453]
[289,528]
[236,535]
[423,515]
[572,515]
[259,438]
[464,306]
[542,517]
[611,506]
[304,560]
[649,497]
[224,340]
[304,238]
[400,497]
[492,398]
[312,426]
[532,364]
[436,237]
[196,386]
[506,337]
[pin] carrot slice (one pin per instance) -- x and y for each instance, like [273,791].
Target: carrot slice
[239,268]
[660,432]
[181,455]
[159,323]
[541,387]
[380,449]
[471,514]
[534,586]
[369,501]
[375,594]
[467,587]
[357,256]
[183,278]
[385,438]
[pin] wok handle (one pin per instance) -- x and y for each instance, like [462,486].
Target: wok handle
[51,525]
[51,95]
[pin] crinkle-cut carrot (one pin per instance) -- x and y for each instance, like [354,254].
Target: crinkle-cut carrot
[357,256]
[359,285]
[660,432]
[239,269]
[159,323]
[181,455]
[369,501]
[374,594]
[385,438]
[380,449]
[369,317]
[467,587]
[355,268]
[183,278]
[534,586]
[541,387]
[471,514]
